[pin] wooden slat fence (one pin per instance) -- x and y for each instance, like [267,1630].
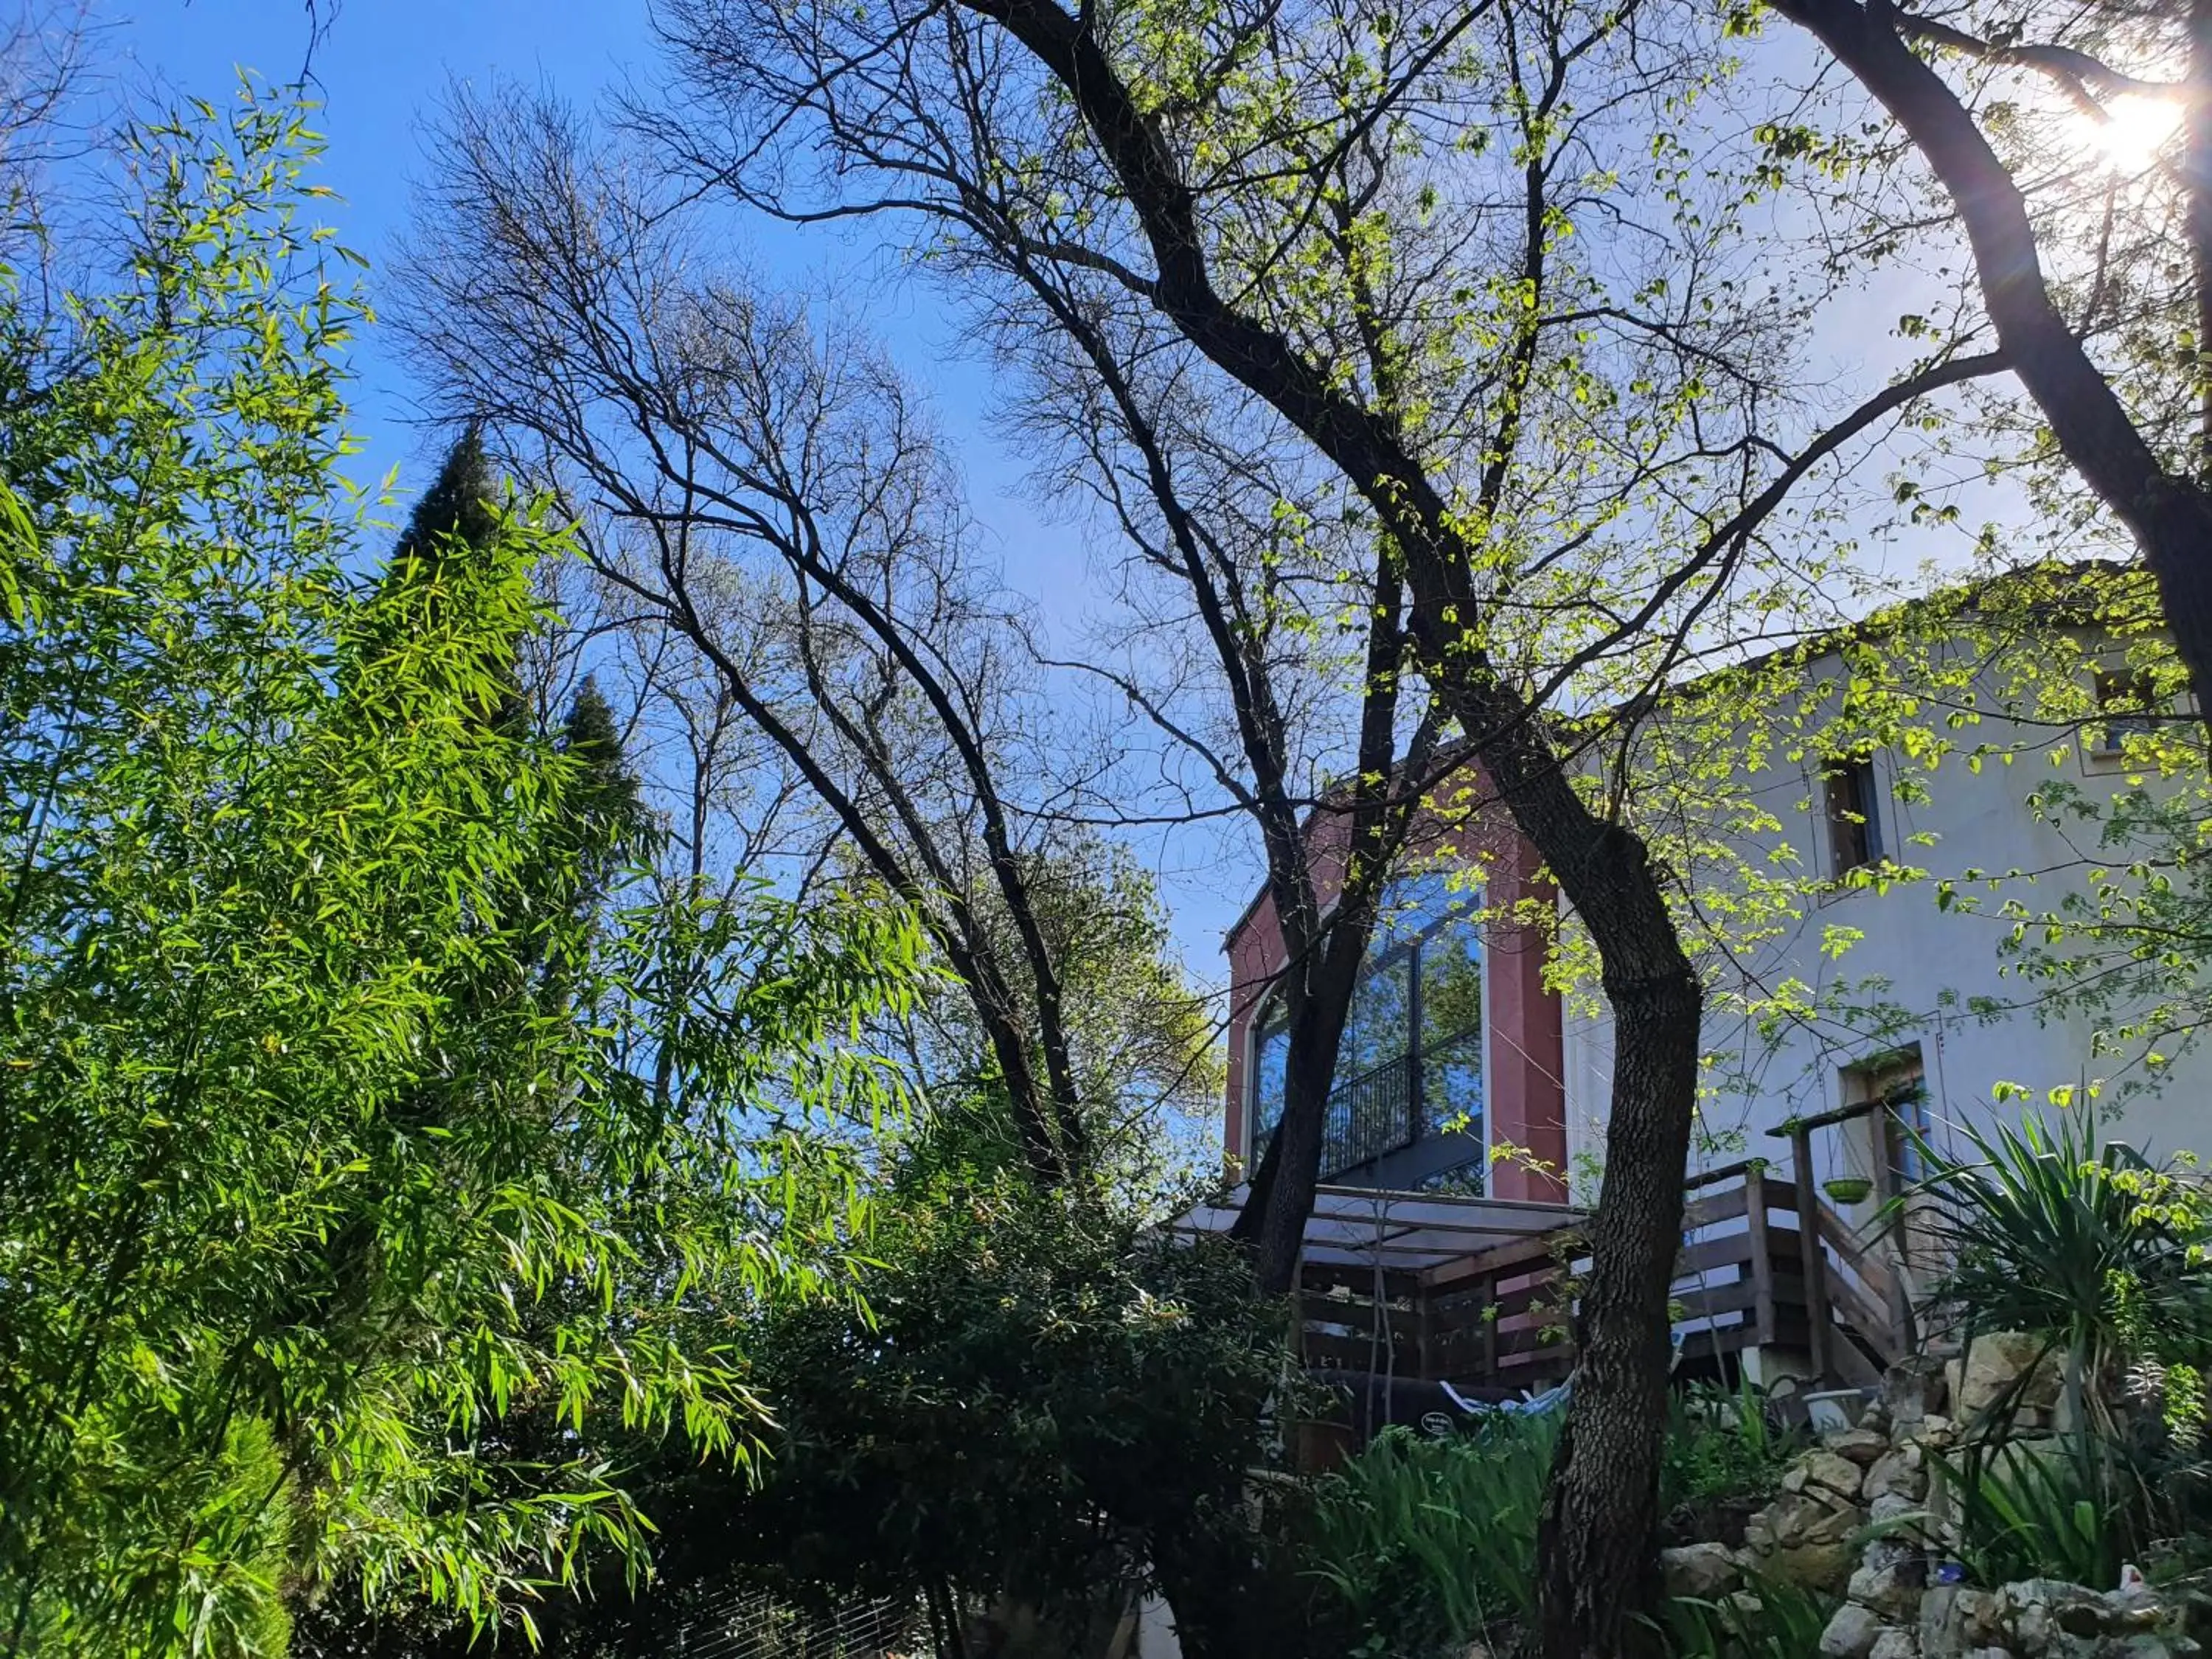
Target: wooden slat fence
[1497,1319]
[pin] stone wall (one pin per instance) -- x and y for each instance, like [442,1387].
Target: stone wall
[1861,1515]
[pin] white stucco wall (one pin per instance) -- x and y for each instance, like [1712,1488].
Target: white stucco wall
[1930,958]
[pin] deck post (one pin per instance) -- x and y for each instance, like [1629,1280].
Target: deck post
[1903,1324]
[1815,1262]
[1489,1315]
[1762,1254]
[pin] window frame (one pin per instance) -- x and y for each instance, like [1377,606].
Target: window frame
[2106,686]
[1860,819]
[1270,1004]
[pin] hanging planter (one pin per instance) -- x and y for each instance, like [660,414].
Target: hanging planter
[1847,1189]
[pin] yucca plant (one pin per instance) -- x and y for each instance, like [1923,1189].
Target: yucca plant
[2093,1246]
[2061,1508]
[2101,1253]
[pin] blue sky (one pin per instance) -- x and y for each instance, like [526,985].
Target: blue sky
[383,64]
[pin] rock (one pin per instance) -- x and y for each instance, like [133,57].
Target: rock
[1890,1506]
[1851,1633]
[1705,1572]
[1745,1608]
[1912,1389]
[1937,1432]
[1895,1644]
[1822,1468]
[2127,1610]
[1901,1472]
[1861,1445]
[1993,1368]
[1892,1591]
[1954,1622]
[1805,1538]
[2038,1615]
[1881,1552]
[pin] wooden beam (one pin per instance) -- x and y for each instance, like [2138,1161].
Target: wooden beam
[1816,1261]
[1762,1260]
[1803,1126]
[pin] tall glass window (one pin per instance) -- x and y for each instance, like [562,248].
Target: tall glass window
[1411,1060]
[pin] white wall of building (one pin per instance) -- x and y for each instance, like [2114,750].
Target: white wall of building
[1934,962]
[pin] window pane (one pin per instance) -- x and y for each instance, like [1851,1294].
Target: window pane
[1854,829]
[1451,1031]
[1381,1022]
[1269,1053]
[1451,984]
[1410,906]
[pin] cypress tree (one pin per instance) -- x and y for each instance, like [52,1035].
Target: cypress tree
[455,518]
[601,802]
[456,504]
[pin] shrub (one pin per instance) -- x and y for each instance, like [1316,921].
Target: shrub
[2102,1253]
[1773,1620]
[1722,1446]
[1425,1543]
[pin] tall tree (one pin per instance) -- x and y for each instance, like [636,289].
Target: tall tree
[455,523]
[1289,697]
[774,502]
[459,509]
[1457,253]
[257,870]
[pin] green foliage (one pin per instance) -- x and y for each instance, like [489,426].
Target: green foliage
[461,507]
[2093,1245]
[2102,1254]
[1034,1398]
[2053,690]
[1721,1445]
[1770,1619]
[2058,1508]
[350,1113]
[1142,1040]
[1427,1542]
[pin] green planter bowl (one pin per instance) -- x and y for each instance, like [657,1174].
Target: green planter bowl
[1848,1189]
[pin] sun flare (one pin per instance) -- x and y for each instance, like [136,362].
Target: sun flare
[2135,128]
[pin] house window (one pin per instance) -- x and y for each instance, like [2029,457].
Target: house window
[1848,802]
[1410,1059]
[2127,705]
[1896,1083]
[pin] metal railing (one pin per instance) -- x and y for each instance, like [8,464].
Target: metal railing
[1372,1115]
[1379,1111]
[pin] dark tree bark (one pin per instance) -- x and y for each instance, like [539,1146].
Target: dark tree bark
[2197,168]
[2168,514]
[1599,1569]
[1600,1566]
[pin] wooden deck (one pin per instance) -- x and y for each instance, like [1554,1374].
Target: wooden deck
[1497,1321]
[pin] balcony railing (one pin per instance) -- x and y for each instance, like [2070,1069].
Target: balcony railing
[1379,1111]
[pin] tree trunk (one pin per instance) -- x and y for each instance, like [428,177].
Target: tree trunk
[1602,1513]
[1595,1544]
[1273,1222]
[2196,168]
[1600,1575]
